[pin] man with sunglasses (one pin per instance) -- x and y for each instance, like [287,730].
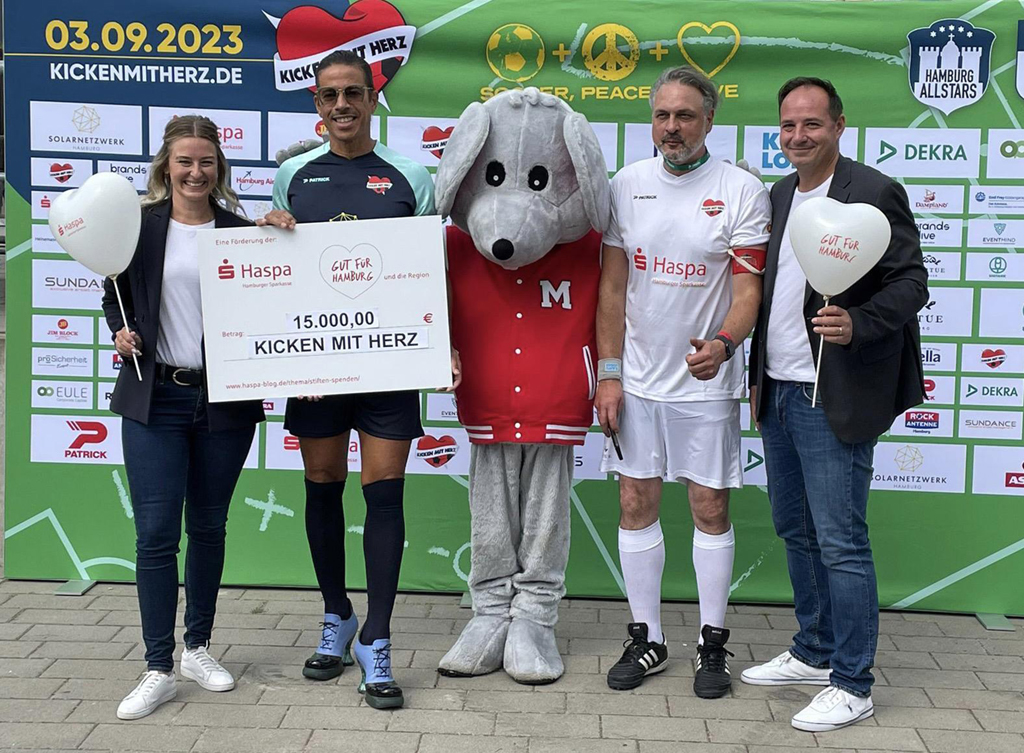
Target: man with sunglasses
[352,177]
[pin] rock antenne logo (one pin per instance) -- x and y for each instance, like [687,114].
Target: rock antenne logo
[373,29]
[950,64]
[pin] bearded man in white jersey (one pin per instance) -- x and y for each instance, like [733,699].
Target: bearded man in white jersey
[680,290]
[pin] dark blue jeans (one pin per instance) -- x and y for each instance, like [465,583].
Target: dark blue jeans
[175,461]
[818,487]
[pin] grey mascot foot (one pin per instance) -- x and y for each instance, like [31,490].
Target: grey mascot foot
[531,653]
[478,650]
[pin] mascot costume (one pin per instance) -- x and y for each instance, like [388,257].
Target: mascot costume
[526,186]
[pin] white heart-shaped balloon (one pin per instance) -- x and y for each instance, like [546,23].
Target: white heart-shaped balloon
[835,243]
[98,224]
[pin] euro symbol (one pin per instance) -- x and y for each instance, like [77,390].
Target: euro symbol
[610,64]
[428,318]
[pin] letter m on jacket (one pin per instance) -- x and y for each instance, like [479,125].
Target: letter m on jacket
[549,294]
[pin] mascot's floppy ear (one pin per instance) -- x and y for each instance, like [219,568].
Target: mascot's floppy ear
[591,170]
[460,153]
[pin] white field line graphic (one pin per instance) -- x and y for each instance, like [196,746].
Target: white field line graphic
[82,566]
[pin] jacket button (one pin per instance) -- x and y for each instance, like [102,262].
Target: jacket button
[518,388]
[519,435]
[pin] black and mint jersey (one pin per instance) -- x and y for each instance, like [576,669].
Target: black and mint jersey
[320,186]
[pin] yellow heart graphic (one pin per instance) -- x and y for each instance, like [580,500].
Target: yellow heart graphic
[707,30]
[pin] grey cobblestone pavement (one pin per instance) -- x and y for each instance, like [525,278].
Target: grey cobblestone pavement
[945,684]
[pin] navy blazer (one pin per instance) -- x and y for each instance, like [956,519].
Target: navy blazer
[866,384]
[140,287]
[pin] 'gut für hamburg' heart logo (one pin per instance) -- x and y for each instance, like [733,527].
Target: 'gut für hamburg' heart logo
[351,271]
[374,29]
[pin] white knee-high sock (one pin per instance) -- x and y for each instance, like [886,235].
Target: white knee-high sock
[712,562]
[642,554]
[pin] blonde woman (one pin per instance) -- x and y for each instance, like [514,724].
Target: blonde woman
[180,451]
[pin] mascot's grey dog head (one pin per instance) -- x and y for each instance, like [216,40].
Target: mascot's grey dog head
[521,173]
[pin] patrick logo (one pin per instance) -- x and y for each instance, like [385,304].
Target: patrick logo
[712,207]
[378,185]
[373,29]
[436,139]
[436,450]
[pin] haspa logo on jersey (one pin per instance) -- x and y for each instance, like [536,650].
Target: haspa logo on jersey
[436,139]
[61,171]
[378,185]
[87,432]
[712,207]
[924,420]
[661,265]
[373,29]
[268,272]
[436,451]
[949,64]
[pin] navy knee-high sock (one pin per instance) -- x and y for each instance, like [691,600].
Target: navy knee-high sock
[383,546]
[325,531]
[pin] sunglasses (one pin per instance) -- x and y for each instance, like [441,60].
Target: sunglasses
[329,95]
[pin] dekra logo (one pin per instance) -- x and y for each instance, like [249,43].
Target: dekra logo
[923,152]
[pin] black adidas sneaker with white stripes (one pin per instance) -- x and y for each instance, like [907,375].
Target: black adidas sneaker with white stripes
[711,678]
[641,658]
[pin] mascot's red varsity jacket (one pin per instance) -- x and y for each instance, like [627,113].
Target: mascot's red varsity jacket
[527,341]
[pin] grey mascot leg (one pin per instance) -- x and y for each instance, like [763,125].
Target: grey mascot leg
[531,653]
[495,533]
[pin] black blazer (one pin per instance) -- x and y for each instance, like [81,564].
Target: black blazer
[866,384]
[140,287]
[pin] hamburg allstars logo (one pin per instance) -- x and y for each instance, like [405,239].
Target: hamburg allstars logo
[373,29]
[950,64]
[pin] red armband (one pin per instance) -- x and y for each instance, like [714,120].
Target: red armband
[748,261]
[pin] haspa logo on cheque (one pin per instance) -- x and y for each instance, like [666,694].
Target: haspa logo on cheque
[373,29]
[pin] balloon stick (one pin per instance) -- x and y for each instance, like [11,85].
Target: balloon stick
[817,371]
[124,318]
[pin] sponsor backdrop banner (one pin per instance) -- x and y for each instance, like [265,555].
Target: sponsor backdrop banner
[933,96]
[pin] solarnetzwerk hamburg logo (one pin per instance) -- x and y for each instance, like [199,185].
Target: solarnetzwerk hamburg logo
[949,64]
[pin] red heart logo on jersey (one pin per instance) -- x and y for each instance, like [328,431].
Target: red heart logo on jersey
[993,358]
[436,139]
[61,173]
[436,450]
[712,207]
[308,30]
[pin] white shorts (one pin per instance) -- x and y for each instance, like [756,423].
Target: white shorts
[684,441]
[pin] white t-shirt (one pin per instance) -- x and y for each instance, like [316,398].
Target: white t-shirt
[179,342]
[677,232]
[787,350]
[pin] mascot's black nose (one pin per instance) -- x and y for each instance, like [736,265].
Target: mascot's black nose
[503,249]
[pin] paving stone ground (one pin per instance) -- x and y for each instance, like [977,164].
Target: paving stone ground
[945,684]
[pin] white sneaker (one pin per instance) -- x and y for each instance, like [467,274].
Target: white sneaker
[785,669]
[831,709]
[154,688]
[198,665]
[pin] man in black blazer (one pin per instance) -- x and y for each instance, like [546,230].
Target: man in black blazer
[819,459]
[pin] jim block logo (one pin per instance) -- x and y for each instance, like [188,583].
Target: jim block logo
[950,64]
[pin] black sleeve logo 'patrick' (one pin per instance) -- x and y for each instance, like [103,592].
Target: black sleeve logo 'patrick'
[373,29]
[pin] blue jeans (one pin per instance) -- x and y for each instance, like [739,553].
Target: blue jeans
[176,462]
[818,488]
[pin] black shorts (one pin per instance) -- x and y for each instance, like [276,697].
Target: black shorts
[386,415]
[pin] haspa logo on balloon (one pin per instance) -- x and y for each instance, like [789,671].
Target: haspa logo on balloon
[373,29]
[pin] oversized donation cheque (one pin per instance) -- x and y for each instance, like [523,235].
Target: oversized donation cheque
[327,308]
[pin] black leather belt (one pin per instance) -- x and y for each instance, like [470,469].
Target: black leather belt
[181,377]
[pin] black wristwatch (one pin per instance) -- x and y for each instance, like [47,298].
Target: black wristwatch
[730,347]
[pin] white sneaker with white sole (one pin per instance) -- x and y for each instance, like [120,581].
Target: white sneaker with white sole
[153,689]
[831,709]
[785,669]
[198,665]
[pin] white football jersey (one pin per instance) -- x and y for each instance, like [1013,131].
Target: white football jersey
[677,231]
